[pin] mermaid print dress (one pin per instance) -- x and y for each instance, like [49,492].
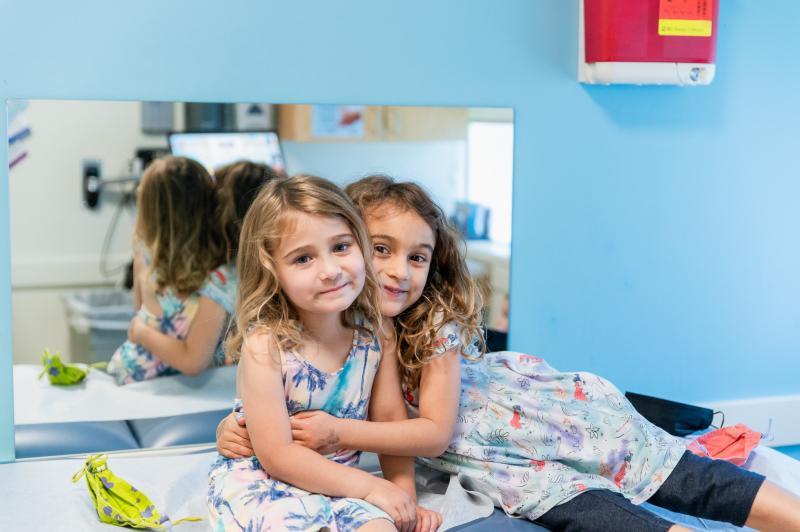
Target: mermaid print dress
[531,437]
[243,496]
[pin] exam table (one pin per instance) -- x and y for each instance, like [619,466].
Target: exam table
[42,496]
[152,416]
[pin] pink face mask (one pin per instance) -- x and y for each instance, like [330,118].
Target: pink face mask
[733,444]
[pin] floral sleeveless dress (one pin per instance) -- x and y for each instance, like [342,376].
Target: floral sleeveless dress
[132,362]
[531,437]
[242,495]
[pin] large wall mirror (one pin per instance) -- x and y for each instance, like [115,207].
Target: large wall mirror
[75,168]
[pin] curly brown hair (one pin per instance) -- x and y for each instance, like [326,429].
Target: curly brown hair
[237,186]
[262,305]
[175,221]
[450,294]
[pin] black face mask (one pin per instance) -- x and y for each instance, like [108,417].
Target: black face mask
[679,419]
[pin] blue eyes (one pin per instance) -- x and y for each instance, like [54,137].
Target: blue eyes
[304,259]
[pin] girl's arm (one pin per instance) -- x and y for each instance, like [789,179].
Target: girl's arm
[137,287]
[386,404]
[262,394]
[144,291]
[193,354]
[428,435]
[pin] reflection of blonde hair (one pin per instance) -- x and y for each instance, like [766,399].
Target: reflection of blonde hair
[175,221]
[450,294]
[237,186]
[262,304]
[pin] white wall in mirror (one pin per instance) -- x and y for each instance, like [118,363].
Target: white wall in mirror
[55,240]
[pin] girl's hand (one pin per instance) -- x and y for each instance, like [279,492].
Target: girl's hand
[427,520]
[316,430]
[395,502]
[233,440]
[135,329]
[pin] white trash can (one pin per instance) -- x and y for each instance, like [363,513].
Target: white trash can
[98,322]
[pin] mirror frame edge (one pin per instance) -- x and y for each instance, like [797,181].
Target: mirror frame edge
[7,439]
[7,453]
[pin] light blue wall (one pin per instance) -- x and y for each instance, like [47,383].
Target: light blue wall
[657,227]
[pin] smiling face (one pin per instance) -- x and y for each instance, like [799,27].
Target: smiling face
[402,250]
[319,265]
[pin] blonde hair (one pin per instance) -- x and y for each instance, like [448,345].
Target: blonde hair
[450,294]
[237,186]
[175,221]
[262,306]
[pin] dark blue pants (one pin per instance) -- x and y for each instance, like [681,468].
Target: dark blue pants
[701,487]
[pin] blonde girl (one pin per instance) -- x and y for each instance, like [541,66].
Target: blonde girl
[306,338]
[236,186]
[177,253]
[563,449]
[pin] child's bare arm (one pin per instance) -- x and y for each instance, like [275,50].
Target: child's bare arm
[144,288]
[137,284]
[427,435]
[386,404]
[193,354]
[271,436]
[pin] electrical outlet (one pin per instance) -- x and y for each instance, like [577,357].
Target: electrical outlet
[91,183]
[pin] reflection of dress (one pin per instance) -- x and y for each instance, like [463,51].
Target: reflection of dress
[242,496]
[532,437]
[132,362]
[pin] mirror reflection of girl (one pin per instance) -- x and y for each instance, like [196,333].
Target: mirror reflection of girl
[306,337]
[178,270]
[236,187]
[566,450]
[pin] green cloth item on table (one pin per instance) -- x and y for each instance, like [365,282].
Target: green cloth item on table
[62,374]
[117,502]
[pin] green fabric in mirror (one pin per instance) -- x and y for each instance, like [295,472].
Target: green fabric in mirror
[62,374]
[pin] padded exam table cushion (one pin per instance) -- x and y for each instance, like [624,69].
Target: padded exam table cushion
[187,429]
[48,439]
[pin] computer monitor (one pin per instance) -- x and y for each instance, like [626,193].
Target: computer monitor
[215,149]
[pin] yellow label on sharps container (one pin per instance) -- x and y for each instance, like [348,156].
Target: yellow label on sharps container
[684,28]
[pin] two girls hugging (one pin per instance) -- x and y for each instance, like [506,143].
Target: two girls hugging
[358,329]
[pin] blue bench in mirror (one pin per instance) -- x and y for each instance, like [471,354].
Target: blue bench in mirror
[186,429]
[79,437]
